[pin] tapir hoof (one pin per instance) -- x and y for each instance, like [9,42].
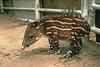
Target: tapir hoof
[21,49]
[69,54]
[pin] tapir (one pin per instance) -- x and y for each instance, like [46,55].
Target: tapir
[56,27]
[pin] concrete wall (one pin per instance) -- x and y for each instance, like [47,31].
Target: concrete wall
[60,4]
[8,3]
[22,4]
[25,4]
[1,3]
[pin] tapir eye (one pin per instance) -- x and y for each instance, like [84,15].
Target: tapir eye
[31,35]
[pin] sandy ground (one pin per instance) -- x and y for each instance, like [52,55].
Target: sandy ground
[11,35]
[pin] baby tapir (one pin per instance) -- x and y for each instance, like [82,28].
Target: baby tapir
[71,25]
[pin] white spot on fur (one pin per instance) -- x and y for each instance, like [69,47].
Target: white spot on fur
[37,38]
[54,36]
[37,27]
[30,34]
[72,36]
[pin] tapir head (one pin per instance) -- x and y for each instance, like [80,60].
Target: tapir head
[32,34]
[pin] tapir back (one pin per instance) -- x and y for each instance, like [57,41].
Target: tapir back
[65,25]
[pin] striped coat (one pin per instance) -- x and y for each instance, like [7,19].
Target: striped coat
[65,25]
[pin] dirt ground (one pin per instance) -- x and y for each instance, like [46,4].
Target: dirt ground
[11,35]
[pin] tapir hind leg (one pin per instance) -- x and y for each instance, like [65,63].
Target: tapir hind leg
[75,46]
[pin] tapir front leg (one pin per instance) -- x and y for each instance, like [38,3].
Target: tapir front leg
[54,45]
[75,46]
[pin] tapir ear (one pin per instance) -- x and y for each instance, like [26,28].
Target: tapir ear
[35,23]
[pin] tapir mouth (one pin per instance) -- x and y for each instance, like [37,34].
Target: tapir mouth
[26,42]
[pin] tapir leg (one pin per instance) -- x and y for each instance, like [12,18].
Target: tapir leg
[75,47]
[54,45]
